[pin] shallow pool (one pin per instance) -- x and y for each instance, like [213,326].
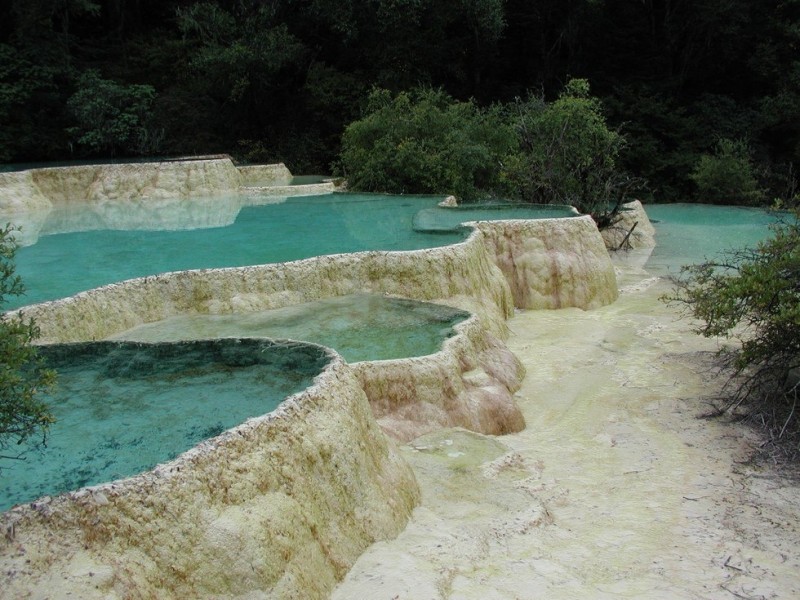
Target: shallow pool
[113,249]
[82,246]
[691,233]
[359,327]
[445,219]
[122,408]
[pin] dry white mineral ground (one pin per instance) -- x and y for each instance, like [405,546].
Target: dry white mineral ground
[614,490]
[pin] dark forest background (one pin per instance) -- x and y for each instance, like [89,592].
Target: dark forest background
[279,80]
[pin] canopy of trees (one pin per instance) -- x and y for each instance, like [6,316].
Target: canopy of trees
[281,79]
[424,141]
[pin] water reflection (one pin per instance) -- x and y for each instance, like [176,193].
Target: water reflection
[141,214]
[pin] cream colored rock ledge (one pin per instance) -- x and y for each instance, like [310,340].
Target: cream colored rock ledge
[470,383]
[41,189]
[550,263]
[633,221]
[278,507]
[203,526]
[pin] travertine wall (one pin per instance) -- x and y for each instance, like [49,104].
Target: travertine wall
[309,189]
[470,383]
[552,263]
[169,179]
[39,189]
[264,175]
[19,193]
[633,220]
[462,274]
[279,507]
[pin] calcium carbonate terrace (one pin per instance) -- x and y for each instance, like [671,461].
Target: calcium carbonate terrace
[226,512]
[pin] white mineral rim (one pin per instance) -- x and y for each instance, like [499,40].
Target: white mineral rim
[615,489]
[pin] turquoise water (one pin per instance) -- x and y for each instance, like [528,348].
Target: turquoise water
[123,408]
[111,395]
[63,264]
[85,246]
[441,219]
[359,327]
[691,233]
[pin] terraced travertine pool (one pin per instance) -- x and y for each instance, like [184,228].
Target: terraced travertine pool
[83,246]
[362,327]
[121,408]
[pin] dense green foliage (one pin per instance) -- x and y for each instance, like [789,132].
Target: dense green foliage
[425,142]
[567,150]
[727,176]
[111,118]
[754,298]
[23,414]
[281,80]
[566,154]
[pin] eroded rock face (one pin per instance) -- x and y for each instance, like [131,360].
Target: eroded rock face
[20,194]
[171,179]
[634,220]
[470,383]
[552,263]
[279,507]
[264,175]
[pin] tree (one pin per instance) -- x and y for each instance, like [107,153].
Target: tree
[567,154]
[753,298]
[727,176]
[249,64]
[112,117]
[425,142]
[23,375]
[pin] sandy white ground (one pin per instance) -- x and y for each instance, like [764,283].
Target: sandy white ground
[614,490]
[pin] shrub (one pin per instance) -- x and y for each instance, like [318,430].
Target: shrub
[23,376]
[753,297]
[727,176]
[423,141]
[111,117]
[567,154]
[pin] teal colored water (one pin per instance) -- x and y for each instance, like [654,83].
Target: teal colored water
[441,219]
[691,233]
[83,246]
[122,408]
[359,327]
[63,264]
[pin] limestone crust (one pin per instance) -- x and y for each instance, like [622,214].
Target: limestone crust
[280,506]
[633,220]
